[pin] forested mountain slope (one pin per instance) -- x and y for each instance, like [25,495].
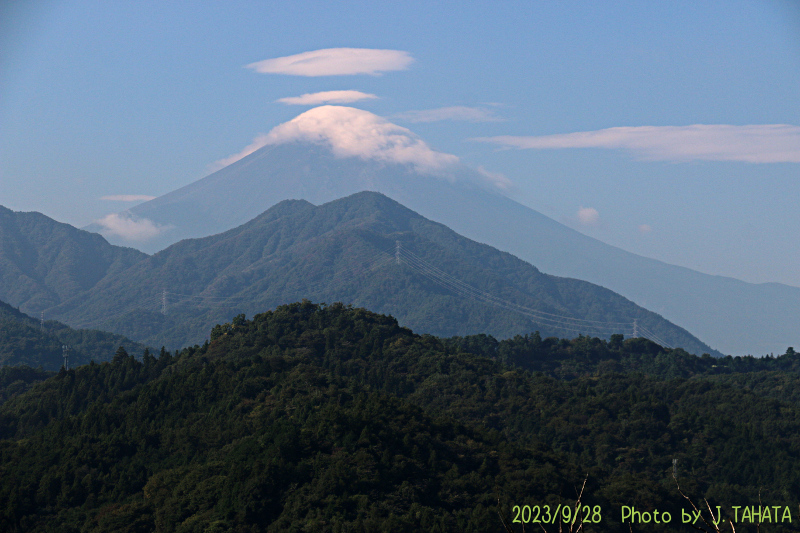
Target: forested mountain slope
[26,341]
[365,249]
[329,418]
[44,262]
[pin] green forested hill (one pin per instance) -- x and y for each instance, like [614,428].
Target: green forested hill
[329,418]
[365,249]
[44,262]
[15,380]
[25,341]
[582,356]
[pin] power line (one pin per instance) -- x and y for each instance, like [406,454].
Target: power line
[169,299]
[653,337]
[579,321]
[149,303]
[463,289]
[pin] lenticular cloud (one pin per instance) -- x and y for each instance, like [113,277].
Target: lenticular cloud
[327,97]
[335,62]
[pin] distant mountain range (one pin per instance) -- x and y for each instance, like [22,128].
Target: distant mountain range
[734,316]
[365,249]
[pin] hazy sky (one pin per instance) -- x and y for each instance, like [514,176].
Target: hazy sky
[670,129]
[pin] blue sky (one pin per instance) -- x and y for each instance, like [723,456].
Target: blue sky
[585,107]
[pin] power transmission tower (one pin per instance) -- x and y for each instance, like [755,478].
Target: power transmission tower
[65,351]
[41,321]
[635,328]
[397,251]
[164,302]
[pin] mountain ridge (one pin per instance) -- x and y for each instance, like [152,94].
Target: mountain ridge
[345,250]
[34,343]
[733,315]
[44,262]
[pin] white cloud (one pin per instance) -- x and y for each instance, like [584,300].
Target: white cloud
[499,180]
[125,226]
[645,228]
[259,142]
[588,216]
[336,62]
[461,113]
[128,197]
[327,97]
[351,132]
[767,143]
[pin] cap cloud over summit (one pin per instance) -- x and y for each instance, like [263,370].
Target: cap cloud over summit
[351,132]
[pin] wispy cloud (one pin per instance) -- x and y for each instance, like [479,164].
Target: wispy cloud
[768,143]
[498,179]
[129,228]
[128,197]
[588,216]
[336,62]
[260,141]
[327,97]
[459,113]
[645,228]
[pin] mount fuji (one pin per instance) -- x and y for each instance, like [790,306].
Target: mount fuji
[333,151]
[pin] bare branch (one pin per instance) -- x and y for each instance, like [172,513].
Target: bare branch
[503,519]
[699,513]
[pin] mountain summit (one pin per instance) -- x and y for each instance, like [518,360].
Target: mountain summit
[323,154]
[364,249]
[333,151]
